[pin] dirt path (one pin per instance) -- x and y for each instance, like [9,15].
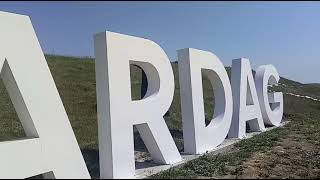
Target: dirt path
[292,158]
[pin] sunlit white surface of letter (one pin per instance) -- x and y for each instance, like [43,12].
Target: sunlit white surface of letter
[197,137]
[51,147]
[271,104]
[118,113]
[246,108]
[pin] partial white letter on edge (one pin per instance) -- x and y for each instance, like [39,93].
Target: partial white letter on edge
[52,148]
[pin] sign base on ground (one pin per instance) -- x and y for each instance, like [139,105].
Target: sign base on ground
[146,169]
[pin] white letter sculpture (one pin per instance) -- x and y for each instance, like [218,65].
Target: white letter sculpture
[197,137]
[51,148]
[246,106]
[267,74]
[117,112]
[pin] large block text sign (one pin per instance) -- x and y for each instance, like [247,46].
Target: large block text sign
[117,112]
[52,147]
[197,137]
[235,104]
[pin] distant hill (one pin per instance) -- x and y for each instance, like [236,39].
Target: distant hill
[313,84]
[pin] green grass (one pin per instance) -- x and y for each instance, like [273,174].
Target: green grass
[75,80]
[304,117]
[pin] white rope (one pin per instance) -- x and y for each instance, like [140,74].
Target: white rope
[296,95]
[307,97]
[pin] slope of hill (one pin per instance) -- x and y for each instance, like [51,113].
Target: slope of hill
[75,81]
[313,84]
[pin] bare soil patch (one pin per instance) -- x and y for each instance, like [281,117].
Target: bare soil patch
[293,157]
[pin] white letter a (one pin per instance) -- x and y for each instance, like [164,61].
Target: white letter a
[51,147]
[245,100]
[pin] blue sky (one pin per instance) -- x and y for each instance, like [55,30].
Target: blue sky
[285,34]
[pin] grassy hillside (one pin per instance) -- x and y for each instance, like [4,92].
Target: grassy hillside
[75,80]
